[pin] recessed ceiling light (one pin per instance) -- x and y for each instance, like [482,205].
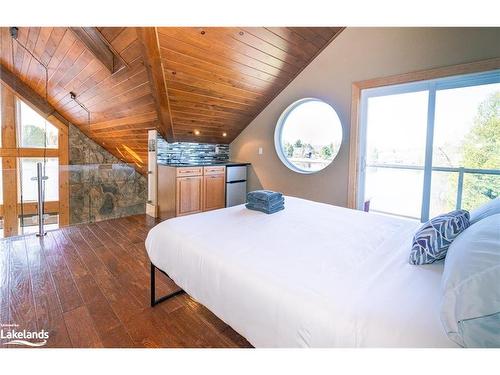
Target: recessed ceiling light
[224,134]
[196,132]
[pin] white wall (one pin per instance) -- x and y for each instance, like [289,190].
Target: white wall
[356,54]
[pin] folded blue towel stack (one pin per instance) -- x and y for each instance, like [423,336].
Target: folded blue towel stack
[266,201]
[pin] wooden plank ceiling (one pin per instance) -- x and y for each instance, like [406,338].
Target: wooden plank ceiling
[215,80]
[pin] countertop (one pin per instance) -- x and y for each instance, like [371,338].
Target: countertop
[228,163]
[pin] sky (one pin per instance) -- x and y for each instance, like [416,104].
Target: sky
[400,121]
[29,116]
[313,122]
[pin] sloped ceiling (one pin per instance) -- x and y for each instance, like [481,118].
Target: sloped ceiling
[192,84]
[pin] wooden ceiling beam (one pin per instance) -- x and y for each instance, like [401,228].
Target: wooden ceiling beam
[45,109]
[96,43]
[39,104]
[148,38]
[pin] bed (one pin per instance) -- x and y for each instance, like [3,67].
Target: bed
[313,275]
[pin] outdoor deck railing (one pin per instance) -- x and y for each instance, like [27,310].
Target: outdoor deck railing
[460,170]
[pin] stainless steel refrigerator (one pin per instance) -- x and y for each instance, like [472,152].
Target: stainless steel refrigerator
[236,185]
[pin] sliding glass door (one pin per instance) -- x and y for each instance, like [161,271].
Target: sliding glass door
[430,147]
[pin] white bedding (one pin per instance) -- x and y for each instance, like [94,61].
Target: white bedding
[313,275]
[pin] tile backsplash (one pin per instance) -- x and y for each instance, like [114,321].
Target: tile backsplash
[186,152]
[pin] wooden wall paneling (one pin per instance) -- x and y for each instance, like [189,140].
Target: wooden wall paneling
[35,69]
[126,37]
[77,82]
[270,75]
[217,79]
[206,114]
[26,93]
[5,48]
[302,51]
[213,89]
[308,35]
[131,131]
[194,81]
[89,86]
[181,95]
[9,163]
[53,57]
[68,61]
[147,106]
[100,47]
[176,61]
[132,52]
[126,122]
[30,43]
[63,154]
[260,49]
[224,48]
[8,118]
[58,87]
[18,52]
[28,152]
[291,38]
[113,85]
[122,98]
[230,70]
[31,208]
[39,103]
[191,105]
[54,62]
[56,35]
[110,33]
[63,97]
[103,93]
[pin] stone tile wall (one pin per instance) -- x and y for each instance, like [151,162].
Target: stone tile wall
[184,152]
[101,186]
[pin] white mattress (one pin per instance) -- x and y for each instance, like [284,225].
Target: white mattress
[313,275]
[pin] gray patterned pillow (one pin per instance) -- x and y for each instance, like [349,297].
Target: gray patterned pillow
[432,240]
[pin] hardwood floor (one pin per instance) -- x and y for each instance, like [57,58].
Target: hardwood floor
[88,286]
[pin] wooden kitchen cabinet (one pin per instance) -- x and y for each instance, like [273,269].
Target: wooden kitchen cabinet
[214,191]
[189,195]
[189,190]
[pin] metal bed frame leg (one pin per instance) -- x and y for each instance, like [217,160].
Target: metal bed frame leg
[155,301]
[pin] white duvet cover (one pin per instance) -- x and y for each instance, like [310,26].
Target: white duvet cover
[313,275]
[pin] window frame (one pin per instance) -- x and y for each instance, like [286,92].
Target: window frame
[12,153]
[431,86]
[279,130]
[19,126]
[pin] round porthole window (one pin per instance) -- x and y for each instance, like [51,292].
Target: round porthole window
[308,135]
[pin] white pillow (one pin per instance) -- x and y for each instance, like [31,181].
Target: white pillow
[490,208]
[470,310]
